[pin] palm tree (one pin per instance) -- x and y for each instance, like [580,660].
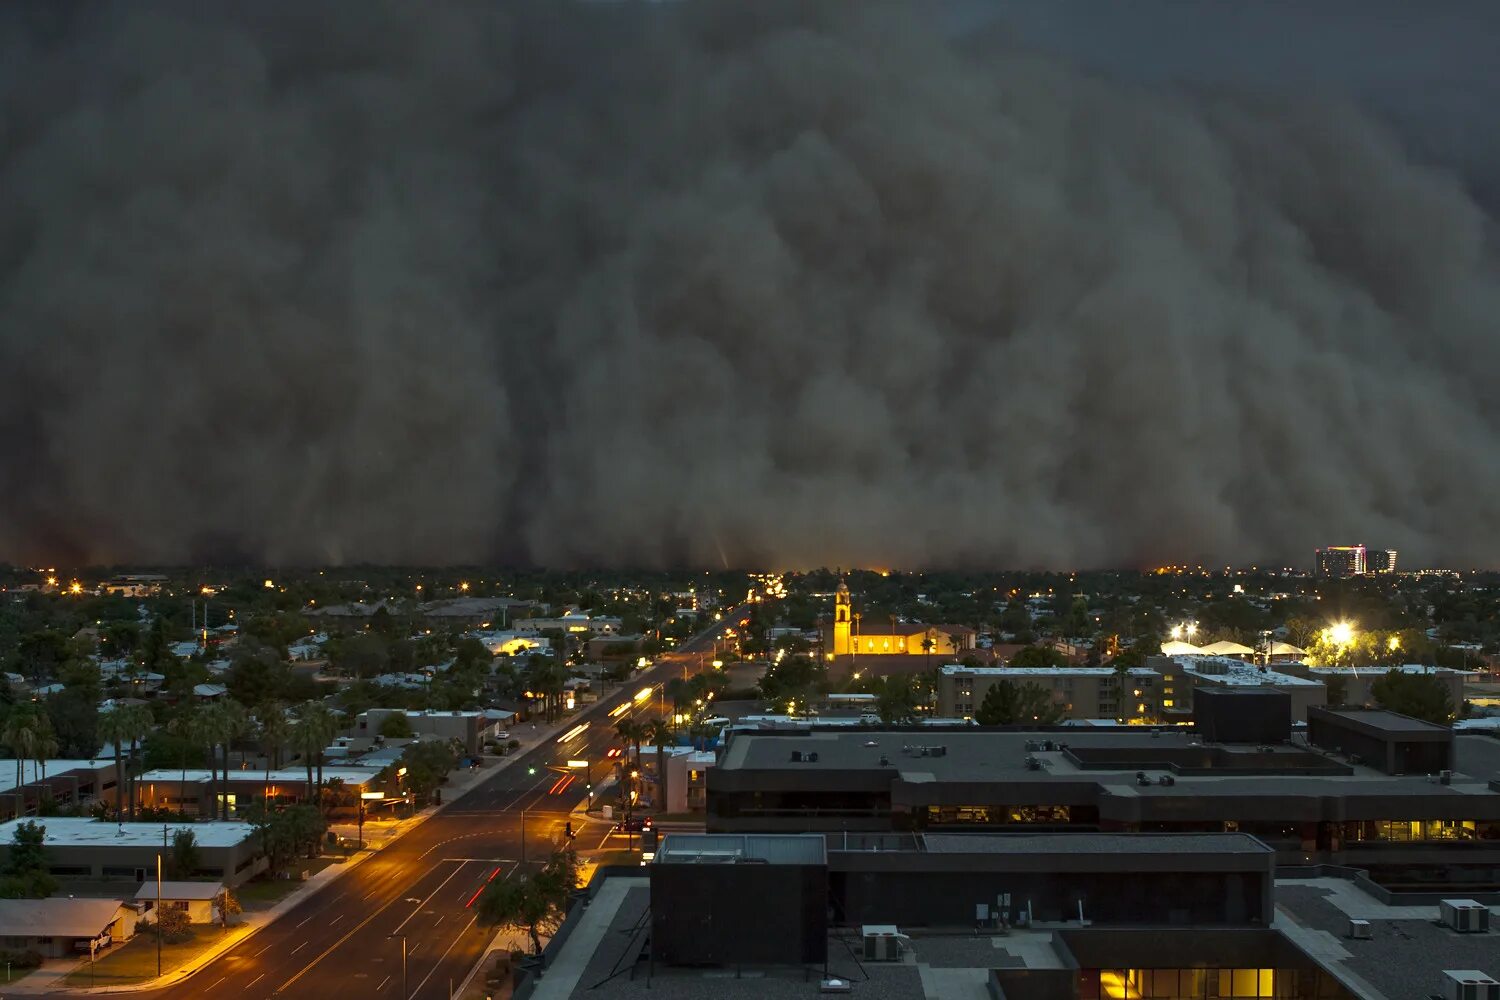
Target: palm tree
[274,733]
[678,691]
[136,722]
[660,733]
[928,644]
[316,725]
[185,726]
[112,727]
[22,733]
[232,723]
[205,728]
[43,747]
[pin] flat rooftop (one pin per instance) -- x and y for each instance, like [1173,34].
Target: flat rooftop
[1095,843]
[1386,721]
[1105,758]
[284,776]
[1407,951]
[30,772]
[76,831]
[720,848]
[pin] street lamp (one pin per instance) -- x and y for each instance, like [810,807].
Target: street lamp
[404,994]
[1341,633]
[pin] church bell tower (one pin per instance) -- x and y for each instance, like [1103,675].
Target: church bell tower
[841,620]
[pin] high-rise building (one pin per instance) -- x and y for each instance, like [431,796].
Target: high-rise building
[1340,561]
[1382,560]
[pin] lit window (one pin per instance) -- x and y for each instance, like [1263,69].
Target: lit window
[1167,703]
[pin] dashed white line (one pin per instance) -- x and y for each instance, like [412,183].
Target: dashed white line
[299,948]
[255,980]
[382,984]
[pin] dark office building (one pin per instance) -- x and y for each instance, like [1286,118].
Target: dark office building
[1387,742]
[1242,715]
[949,880]
[1311,805]
[711,889]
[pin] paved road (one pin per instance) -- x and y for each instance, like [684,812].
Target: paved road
[343,940]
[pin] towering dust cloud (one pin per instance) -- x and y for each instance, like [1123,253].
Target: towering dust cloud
[784,283]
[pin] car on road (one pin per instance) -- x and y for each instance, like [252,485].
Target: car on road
[635,824]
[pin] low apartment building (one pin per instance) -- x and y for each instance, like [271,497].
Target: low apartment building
[83,848]
[1184,674]
[470,728]
[1080,692]
[1354,686]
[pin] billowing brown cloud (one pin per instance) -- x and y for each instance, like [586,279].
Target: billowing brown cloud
[794,283]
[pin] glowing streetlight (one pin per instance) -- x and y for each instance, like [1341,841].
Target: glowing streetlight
[1341,633]
[1191,628]
[1393,643]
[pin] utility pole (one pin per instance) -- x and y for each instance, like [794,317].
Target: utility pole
[158,908]
[403,964]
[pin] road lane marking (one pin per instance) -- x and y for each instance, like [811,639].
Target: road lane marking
[335,920]
[299,947]
[263,951]
[355,930]
[219,980]
[428,899]
[306,919]
[255,980]
[382,984]
[439,963]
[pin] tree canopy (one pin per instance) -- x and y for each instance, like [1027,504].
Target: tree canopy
[1009,703]
[1420,696]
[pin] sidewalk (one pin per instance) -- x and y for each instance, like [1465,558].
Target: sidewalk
[378,836]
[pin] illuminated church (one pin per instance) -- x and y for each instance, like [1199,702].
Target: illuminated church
[850,634]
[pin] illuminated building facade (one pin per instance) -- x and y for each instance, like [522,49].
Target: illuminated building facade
[1338,562]
[853,634]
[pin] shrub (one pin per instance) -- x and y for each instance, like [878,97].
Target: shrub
[21,959]
[176,927]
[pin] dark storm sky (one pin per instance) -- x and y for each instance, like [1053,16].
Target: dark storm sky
[796,283]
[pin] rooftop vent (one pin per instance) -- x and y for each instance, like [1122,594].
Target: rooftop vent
[1464,916]
[1469,984]
[812,758]
[1166,779]
[1032,764]
[797,756]
[885,761]
[1359,930]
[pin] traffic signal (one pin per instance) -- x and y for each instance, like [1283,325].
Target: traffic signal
[531,770]
[568,831]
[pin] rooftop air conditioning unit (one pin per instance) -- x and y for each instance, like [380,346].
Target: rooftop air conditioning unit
[882,942]
[941,751]
[796,756]
[1167,780]
[1359,930]
[1032,764]
[1469,984]
[1445,777]
[812,758]
[1464,915]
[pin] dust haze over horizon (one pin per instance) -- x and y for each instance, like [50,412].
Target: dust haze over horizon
[787,283]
